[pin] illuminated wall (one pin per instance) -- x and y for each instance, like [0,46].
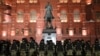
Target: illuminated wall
[26,19]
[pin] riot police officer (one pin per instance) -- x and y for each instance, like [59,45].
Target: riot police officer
[23,47]
[59,48]
[3,48]
[97,48]
[88,48]
[14,48]
[78,48]
[42,48]
[69,48]
[50,48]
[32,46]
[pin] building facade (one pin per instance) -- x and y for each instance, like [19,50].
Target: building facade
[73,19]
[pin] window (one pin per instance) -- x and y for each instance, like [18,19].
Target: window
[1,1]
[67,32]
[63,16]
[0,17]
[80,31]
[33,1]
[7,16]
[33,16]
[76,16]
[20,1]
[75,31]
[58,30]
[63,1]
[71,32]
[12,32]
[88,2]
[17,31]
[4,33]
[30,31]
[76,1]
[98,30]
[96,1]
[98,16]
[84,32]
[26,32]
[20,16]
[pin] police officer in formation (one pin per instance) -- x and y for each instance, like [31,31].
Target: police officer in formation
[78,48]
[96,48]
[59,49]
[42,48]
[69,48]
[32,46]
[3,48]
[88,48]
[50,48]
[23,47]
[14,48]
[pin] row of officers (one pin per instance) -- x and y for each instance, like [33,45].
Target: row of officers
[31,48]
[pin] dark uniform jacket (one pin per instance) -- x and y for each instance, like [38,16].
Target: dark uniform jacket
[59,47]
[32,45]
[23,46]
[14,46]
[42,47]
[97,47]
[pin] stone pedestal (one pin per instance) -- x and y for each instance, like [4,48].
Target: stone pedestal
[49,34]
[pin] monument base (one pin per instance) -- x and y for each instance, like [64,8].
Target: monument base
[49,30]
[49,34]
